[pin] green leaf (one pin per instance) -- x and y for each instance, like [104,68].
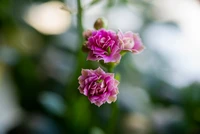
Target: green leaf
[108,50]
[117,76]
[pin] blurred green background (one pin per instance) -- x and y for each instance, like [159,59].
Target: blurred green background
[41,59]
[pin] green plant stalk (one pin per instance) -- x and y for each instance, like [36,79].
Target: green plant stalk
[73,83]
[72,86]
[79,22]
[113,119]
[114,112]
[80,55]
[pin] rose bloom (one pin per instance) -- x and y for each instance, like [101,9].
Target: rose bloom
[103,45]
[98,86]
[131,42]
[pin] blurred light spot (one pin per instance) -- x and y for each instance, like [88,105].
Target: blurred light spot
[10,112]
[53,102]
[124,19]
[134,99]
[41,124]
[96,130]
[8,55]
[68,40]
[48,18]
[182,52]
[136,124]
[58,64]
[92,13]
[163,117]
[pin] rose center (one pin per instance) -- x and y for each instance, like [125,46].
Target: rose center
[99,80]
[129,43]
[102,40]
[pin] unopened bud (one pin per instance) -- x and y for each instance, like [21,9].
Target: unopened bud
[100,23]
[87,34]
[84,47]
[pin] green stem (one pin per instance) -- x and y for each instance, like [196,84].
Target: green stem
[79,22]
[114,113]
[72,87]
[113,119]
[110,69]
[80,57]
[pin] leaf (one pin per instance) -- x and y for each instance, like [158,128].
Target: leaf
[117,76]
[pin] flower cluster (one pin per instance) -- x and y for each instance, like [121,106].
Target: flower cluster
[108,47]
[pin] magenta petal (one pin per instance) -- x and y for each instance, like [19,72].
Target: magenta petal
[100,87]
[130,41]
[103,45]
[138,46]
[92,57]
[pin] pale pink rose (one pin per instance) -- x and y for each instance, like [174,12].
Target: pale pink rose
[131,42]
[98,86]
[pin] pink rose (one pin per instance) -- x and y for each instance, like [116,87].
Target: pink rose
[98,86]
[131,42]
[103,45]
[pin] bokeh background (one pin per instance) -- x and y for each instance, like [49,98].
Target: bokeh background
[41,58]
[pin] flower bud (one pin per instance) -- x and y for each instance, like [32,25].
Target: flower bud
[87,34]
[84,48]
[100,23]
